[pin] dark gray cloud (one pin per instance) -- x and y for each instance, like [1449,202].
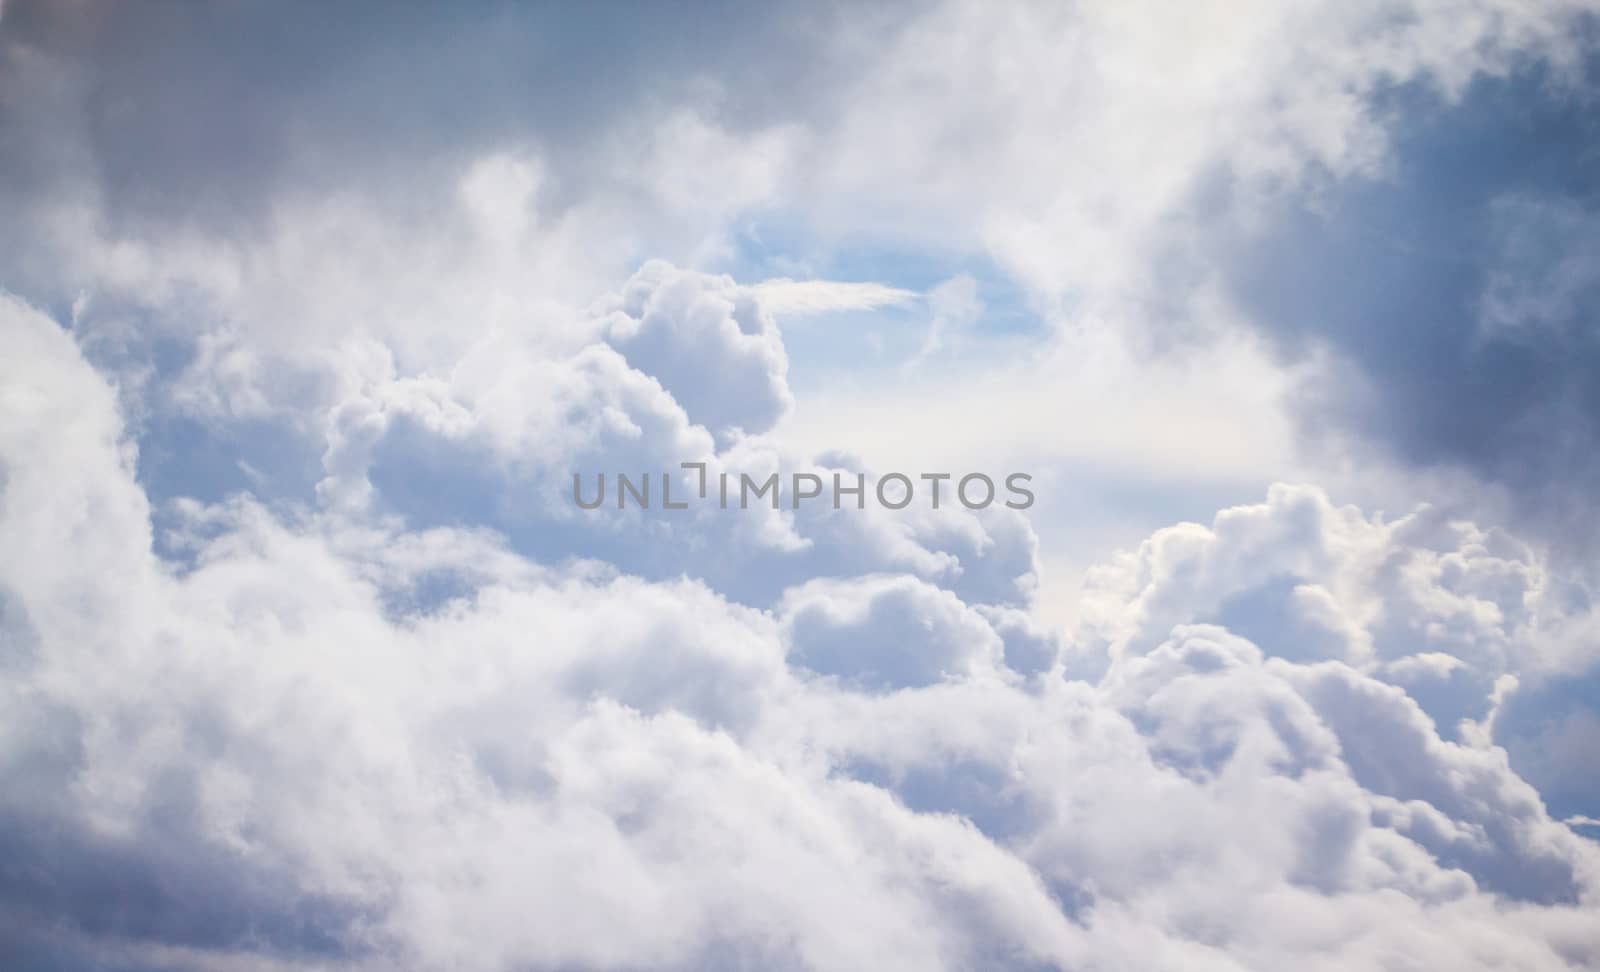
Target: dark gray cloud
[1457,287]
[204,116]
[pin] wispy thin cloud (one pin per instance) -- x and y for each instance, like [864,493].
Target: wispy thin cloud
[783,295]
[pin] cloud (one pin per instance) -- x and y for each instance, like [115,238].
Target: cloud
[955,306]
[885,632]
[217,121]
[784,296]
[677,327]
[389,700]
[565,766]
[1446,299]
[503,432]
[1326,583]
[1548,724]
[1157,211]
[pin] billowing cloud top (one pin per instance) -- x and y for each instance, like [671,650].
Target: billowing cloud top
[310,660]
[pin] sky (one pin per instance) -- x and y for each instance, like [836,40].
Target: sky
[310,316]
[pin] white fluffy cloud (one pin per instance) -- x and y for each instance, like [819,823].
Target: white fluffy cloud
[277,758]
[679,330]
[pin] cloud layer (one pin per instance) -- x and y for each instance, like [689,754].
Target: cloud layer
[309,661]
[270,752]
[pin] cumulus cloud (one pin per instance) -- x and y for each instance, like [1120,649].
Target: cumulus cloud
[1433,604]
[279,759]
[674,355]
[677,329]
[885,632]
[308,661]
